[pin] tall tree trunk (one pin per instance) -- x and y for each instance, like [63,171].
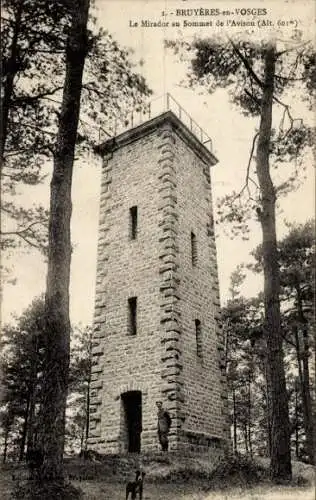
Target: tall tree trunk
[59,253]
[5,443]
[234,422]
[33,392]
[297,448]
[305,381]
[298,355]
[268,412]
[245,432]
[280,467]
[8,84]
[82,440]
[86,436]
[30,442]
[25,426]
[300,382]
[249,419]
[226,350]
[88,391]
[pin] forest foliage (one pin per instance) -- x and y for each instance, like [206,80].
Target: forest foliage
[34,39]
[260,77]
[245,358]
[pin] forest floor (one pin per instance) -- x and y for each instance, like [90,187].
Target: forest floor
[236,485]
[111,491]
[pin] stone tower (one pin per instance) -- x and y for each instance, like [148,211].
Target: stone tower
[156,329]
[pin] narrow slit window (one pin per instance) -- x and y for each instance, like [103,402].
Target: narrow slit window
[133,223]
[194,255]
[132,311]
[198,336]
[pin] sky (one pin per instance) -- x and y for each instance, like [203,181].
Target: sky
[231,135]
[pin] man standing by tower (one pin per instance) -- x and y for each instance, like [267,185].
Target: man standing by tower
[164,424]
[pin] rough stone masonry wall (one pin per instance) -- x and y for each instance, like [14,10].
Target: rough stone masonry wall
[127,268]
[204,387]
[170,185]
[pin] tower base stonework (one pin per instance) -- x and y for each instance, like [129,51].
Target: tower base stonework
[157,334]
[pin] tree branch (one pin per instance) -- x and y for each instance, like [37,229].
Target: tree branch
[288,113]
[248,178]
[46,51]
[22,151]
[288,341]
[246,64]
[29,99]
[28,241]
[285,51]
[288,78]
[19,233]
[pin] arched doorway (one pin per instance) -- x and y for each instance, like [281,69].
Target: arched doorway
[132,416]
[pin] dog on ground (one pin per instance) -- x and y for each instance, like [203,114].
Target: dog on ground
[134,487]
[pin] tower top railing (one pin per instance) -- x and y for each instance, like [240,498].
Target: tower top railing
[152,109]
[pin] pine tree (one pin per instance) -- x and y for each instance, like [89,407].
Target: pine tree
[110,78]
[34,39]
[22,356]
[256,76]
[296,255]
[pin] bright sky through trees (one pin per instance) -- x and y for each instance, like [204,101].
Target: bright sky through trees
[231,134]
